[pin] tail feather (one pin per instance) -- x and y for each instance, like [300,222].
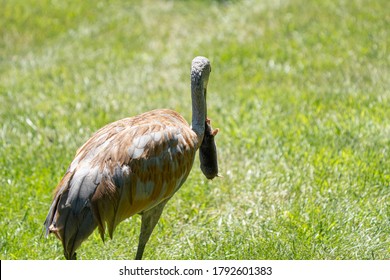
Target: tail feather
[60,191]
[70,216]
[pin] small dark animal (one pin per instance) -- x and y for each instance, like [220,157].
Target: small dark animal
[208,152]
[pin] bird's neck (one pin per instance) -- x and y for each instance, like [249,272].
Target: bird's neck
[199,109]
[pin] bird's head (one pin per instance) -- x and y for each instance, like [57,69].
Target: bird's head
[200,72]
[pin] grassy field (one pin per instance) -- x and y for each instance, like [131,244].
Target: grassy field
[300,90]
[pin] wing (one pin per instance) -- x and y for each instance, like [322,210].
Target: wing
[145,164]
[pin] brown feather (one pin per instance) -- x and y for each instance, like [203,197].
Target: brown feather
[140,161]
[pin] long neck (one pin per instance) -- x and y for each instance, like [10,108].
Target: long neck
[199,109]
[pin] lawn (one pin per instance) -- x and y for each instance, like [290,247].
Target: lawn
[299,89]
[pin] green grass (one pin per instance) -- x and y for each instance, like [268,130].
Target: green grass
[300,90]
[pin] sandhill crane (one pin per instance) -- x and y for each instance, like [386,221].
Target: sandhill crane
[131,166]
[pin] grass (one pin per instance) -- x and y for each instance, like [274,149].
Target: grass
[299,89]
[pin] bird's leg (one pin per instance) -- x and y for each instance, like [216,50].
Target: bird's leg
[149,221]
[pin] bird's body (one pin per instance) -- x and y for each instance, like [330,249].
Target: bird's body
[131,166]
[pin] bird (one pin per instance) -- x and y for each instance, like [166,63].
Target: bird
[128,167]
